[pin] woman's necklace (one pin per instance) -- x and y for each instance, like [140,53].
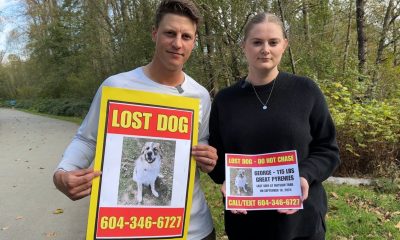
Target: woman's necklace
[264,105]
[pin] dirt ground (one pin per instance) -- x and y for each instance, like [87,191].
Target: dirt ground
[30,149]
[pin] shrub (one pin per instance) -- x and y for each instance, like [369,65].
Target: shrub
[368,133]
[7,103]
[61,107]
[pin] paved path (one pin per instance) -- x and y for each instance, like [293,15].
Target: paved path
[30,148]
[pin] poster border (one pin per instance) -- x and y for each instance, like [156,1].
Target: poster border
[151,99]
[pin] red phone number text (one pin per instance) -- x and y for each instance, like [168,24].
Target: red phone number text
[140,222]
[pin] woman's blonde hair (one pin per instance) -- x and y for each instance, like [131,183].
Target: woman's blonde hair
[260,18]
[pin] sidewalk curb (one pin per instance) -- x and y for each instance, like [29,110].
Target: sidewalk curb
[350,181]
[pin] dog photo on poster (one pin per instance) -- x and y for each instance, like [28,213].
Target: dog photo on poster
[144,155]
[146,176]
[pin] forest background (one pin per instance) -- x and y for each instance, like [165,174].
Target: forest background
[350,48]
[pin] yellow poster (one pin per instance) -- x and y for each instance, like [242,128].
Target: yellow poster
[144,153]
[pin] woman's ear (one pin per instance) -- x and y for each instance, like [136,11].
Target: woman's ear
[242,44]
[286,43]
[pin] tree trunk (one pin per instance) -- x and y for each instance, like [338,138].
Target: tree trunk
[396,59]
[361,38]
[289,48]
[381,48]
[306,21]
[209,53]
[346,48]
[2,54]
[385,29]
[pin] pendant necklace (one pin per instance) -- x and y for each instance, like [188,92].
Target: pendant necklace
[264,105]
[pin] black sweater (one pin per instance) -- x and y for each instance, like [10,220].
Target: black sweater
[297,118]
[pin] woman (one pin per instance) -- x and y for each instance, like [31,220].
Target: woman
[272,111]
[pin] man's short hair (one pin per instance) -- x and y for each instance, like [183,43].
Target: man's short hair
[185,8]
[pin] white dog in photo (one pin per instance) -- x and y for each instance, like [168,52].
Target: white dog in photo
[147,168]
[240,181]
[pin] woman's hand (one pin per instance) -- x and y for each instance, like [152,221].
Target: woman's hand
[304,191]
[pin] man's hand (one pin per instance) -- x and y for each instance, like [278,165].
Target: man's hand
[304,191]
[75,184]
[205,156]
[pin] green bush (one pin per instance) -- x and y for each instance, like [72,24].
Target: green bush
[7,103]
[61,107]
[368,132]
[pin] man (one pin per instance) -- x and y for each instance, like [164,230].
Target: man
[174,35]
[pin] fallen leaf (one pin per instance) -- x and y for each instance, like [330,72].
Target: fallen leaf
[19,218]
[343,238]
[333,208]
[377,212]
[51,234]
[41,168]
[58,211]
[398,225]
[5,228]
[333,194]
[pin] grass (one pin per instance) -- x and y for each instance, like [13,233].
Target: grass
[355,213]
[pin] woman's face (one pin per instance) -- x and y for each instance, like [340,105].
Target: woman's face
[264,46]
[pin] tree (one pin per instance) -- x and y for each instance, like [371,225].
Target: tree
[348,36]
[361,38]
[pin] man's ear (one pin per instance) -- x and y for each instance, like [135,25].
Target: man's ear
[154,33]
[196,40]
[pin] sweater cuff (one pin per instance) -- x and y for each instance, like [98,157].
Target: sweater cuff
[306,172]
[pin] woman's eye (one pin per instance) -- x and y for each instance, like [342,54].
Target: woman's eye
[273,43]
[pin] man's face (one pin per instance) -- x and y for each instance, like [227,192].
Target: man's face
[175,39]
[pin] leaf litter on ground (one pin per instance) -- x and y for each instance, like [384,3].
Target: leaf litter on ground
[58,211]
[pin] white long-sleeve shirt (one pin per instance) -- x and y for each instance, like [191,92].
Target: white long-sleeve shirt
[80,152]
